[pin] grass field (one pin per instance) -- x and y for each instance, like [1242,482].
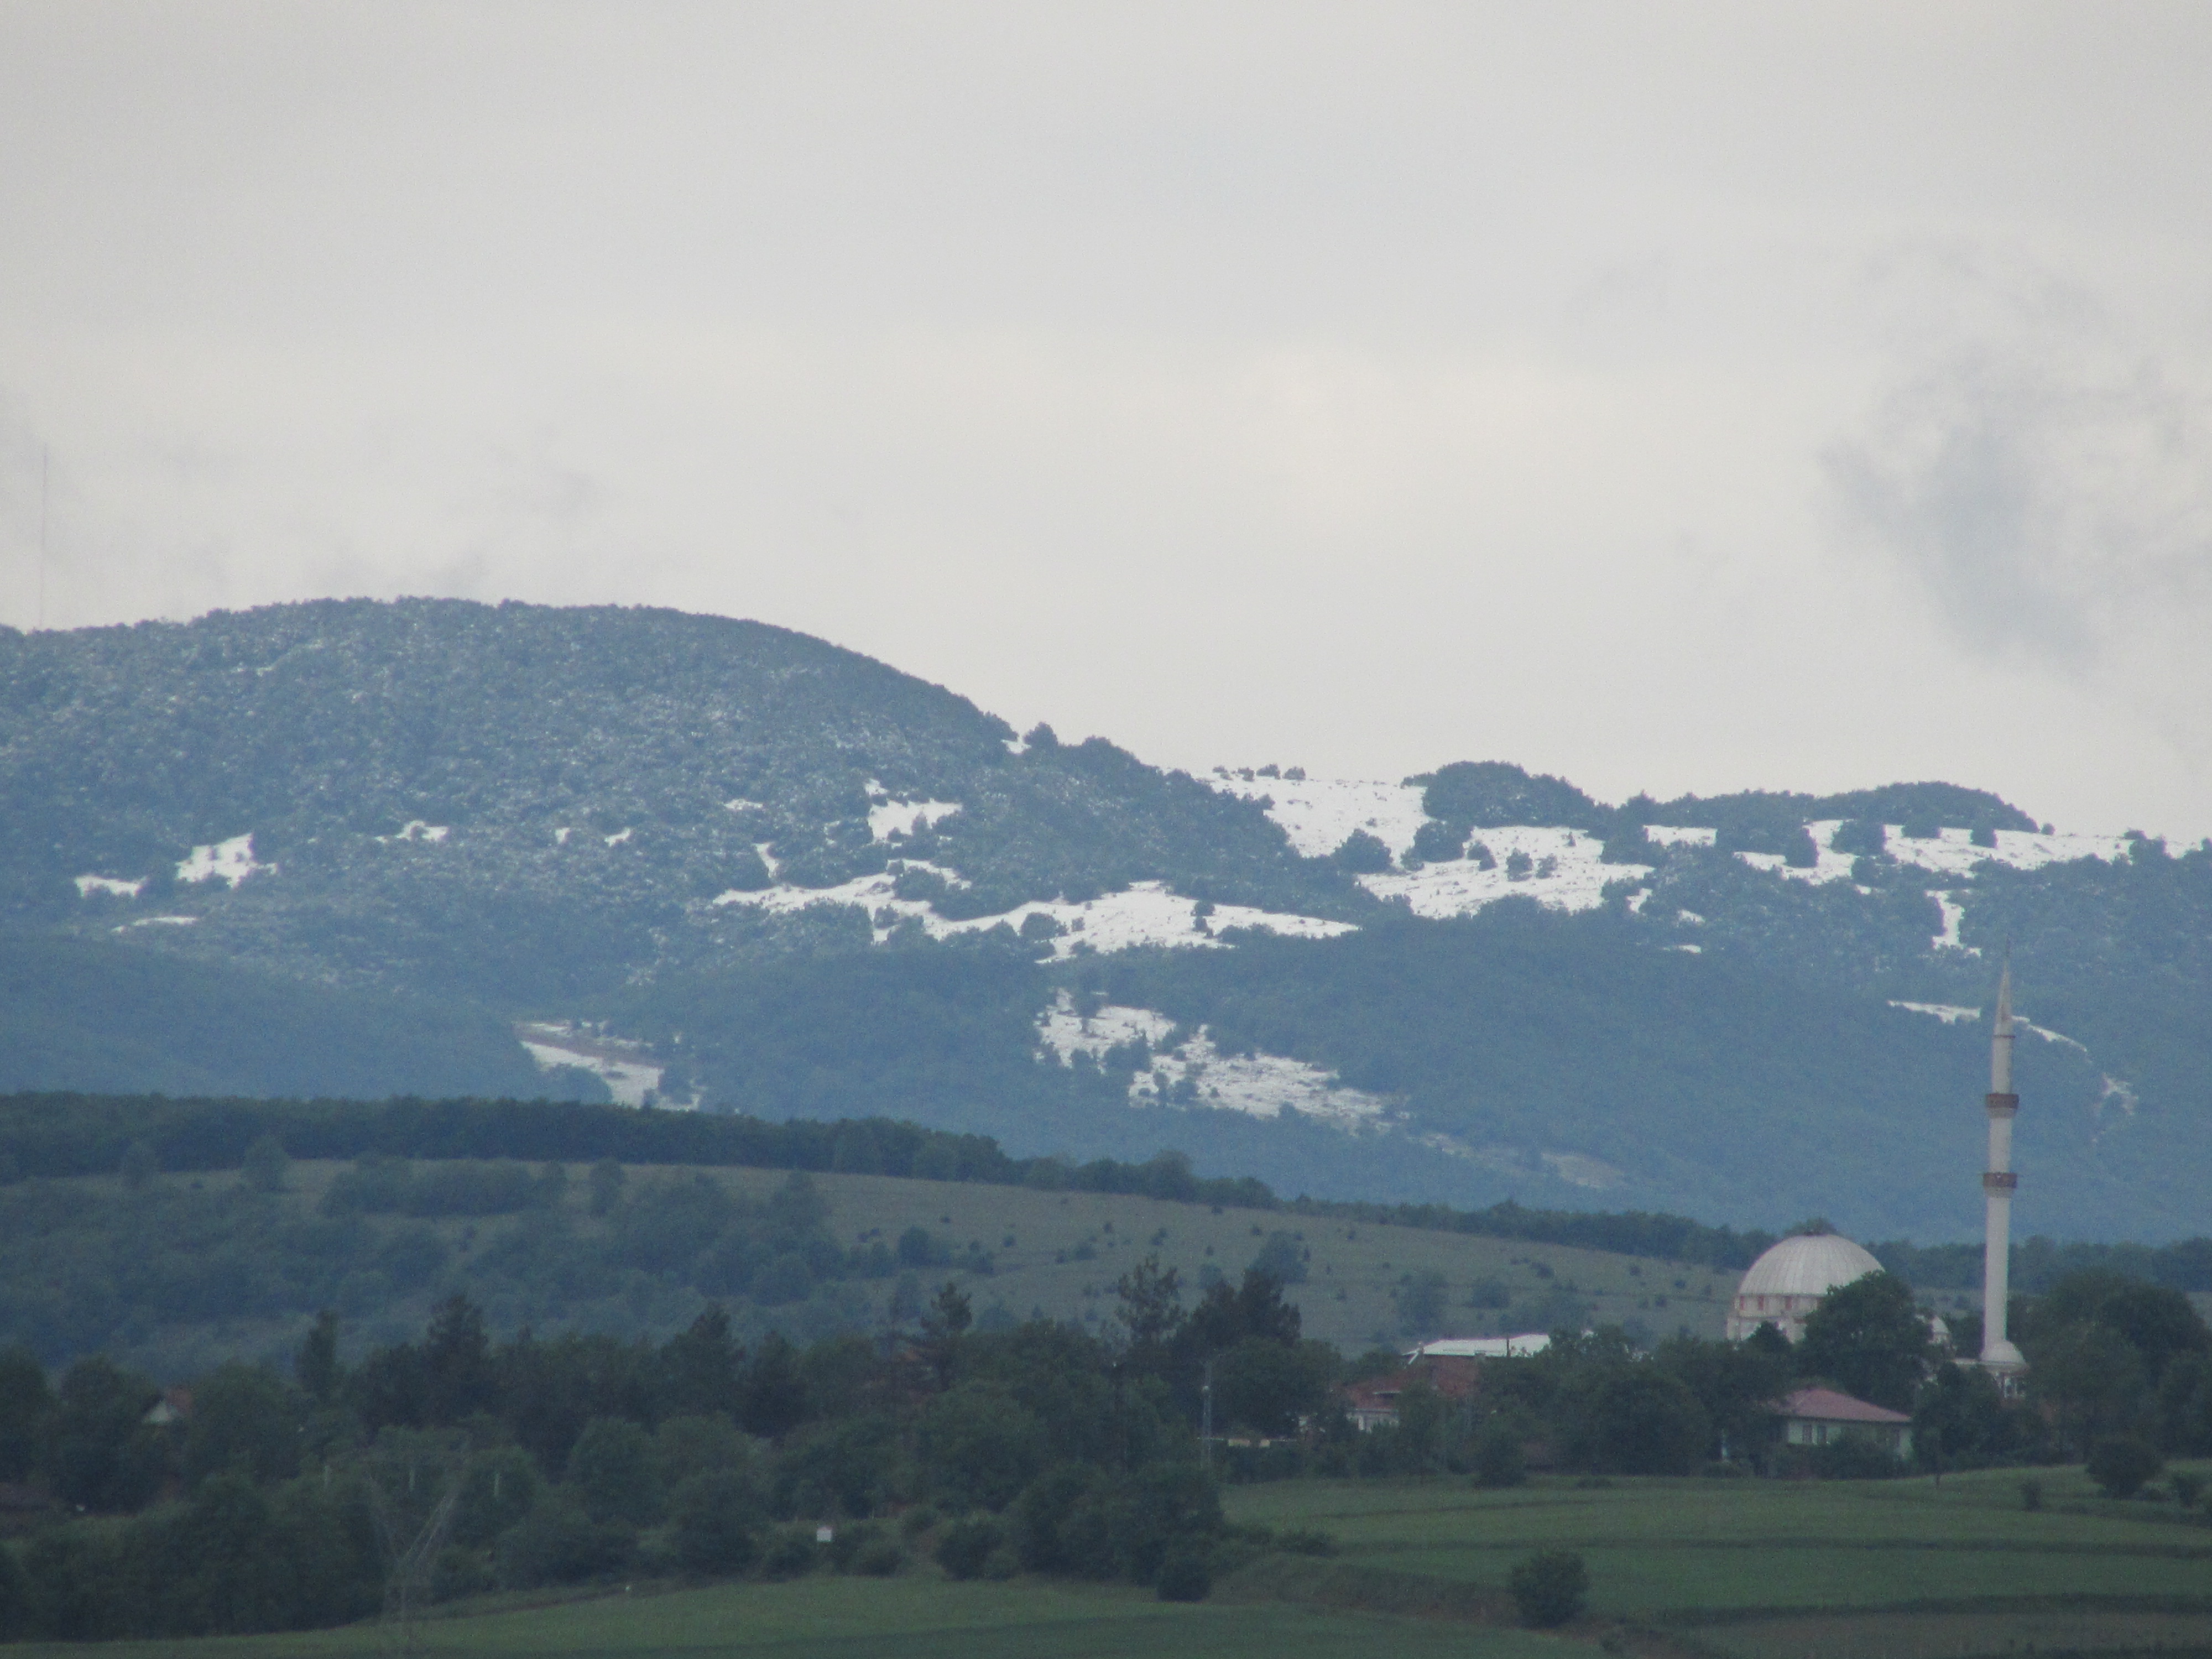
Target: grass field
[911,1618]
[1679,1570]
[1773,1568]
[1066,1251]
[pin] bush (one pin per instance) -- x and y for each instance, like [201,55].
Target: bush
[917,1521]
[1549,1588]
[2123,1465]
[1497,1457]
[879,1558]
[846,1544]
[792,1553]
[2031,1494]
[715,1515]
[2187,1489]
[964,1546]
[1185,1575]
[1853,1458]
[556,1543]
[1307,1542]
[1362,854]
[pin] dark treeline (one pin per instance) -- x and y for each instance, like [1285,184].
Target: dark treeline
[259,1501]
[2039,1263]
[1630,1233]
[56,1135]
[451,1464]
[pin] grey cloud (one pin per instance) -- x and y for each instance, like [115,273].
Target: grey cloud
[2047,487]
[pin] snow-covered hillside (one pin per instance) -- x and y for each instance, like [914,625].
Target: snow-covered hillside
[1561,868]
[627,1068]
[1186,1069]
[1145,913]
[1318,814]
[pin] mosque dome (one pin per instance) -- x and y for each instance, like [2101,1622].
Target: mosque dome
[1788,1282]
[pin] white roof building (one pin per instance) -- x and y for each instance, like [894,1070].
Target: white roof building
[1481,1347]
[1788,1282]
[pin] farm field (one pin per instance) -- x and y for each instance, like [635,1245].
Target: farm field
[1352,1271]
[918,1617]
[1057,1253]
[1790,1570]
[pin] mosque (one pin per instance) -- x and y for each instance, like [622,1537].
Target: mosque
[1787,1283]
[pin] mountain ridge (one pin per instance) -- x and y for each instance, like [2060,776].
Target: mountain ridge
[635,824]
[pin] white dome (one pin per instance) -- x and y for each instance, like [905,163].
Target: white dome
[1811,1264]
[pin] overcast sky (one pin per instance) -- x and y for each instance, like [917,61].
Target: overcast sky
[1672,397]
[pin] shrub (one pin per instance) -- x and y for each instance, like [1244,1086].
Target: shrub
[1497,1456]
[792,1553]
[879,1558]
[2031,1494]
[1307,1542]
[1853,1458]
[714,1516]
[917,1521]
[846,1544]
[2187,1489]
[611,1467]
[556,1543]
[964,1546]
[1549,1588]
[1185,1575]
[2123,1465]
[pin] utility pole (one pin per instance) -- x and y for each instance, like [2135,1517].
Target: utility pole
[1206,1418]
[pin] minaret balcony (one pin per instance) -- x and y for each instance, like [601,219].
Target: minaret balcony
[1999,1181]
[2001,1105]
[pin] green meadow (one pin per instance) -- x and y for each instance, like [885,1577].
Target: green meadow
[915,1617]
[1898,1569]
[1695,1569]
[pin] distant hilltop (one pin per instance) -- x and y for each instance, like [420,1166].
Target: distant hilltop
[637,854]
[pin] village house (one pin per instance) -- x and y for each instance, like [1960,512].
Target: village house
[1822,1417]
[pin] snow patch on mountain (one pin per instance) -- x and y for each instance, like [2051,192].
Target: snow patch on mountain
[1194,1072]
[623,1067]
[418,829]
[1953,852]
[1558,868]
[1067,1033]
[1318,814]
[1575,1169]
[230,861]
[1145,912]
[88,885]
[1259,1085]
[1949,1013]
[888,817]
[1954,914]
[2047,1034]
[1671,835]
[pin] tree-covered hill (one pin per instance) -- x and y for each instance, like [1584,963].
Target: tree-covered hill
[358,848]
[521,803]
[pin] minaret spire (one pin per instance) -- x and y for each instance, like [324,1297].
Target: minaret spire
[1998,1184]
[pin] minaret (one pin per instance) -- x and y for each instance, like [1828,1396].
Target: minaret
[1998,1183]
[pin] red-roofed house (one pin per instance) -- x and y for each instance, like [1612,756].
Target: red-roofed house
[1821,1417]
[1374,1403]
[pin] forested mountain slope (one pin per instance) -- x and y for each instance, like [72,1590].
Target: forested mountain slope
[359,848]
